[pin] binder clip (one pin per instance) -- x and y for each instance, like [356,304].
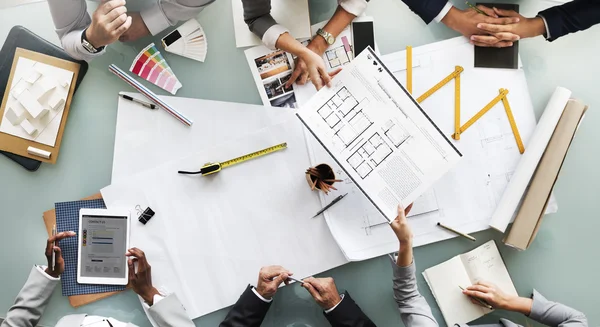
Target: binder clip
[145,215]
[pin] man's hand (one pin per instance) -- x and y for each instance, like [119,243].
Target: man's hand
[137,30]
[109,22]
[323,290]
[500,34]
[401,227]
[52,246]
[495,297]
[269,279]
[141,281]
[465,21]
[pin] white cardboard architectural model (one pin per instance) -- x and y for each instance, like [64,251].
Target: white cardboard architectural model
[38,95]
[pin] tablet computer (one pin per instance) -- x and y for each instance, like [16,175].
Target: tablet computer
[103,241]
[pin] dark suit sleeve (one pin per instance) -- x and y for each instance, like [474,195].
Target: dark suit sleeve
[248,311]
[426,9]
[348,314]
[571,17]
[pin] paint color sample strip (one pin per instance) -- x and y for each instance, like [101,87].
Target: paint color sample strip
[150,65]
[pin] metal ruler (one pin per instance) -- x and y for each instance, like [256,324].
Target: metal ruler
[215,167]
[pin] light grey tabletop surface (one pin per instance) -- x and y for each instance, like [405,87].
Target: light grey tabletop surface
[561,263]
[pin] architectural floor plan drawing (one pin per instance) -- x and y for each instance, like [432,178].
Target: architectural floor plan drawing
[369,155]
[378,135]
[345,116]
[338,56]
[395,133]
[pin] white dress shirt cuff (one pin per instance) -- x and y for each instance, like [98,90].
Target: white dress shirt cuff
[354,7]
[260,296]
[73,39]
[444,12]
[272,35]
[155,19]
[157,298]
[547,35]
[335,306]
[42,270]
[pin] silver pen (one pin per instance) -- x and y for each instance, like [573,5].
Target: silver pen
[334,201]
[53,245]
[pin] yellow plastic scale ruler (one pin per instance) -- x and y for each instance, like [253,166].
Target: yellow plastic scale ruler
[212,168]
[456,77]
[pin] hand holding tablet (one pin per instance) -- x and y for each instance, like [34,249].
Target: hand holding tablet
[141,280]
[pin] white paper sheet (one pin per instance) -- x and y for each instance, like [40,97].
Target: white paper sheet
[223,228]
[378,135]
[467,196]
[511,198]
[293,14]
[48,125]
[148,138]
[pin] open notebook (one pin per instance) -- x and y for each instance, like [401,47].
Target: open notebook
[481,264]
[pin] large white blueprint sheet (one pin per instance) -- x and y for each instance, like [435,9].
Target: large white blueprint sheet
[210,235]
[465,198]
[378,135]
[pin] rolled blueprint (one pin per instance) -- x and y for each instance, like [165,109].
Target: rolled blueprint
[537,145]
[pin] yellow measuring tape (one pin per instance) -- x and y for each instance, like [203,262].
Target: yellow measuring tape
[212,168]
[456,77]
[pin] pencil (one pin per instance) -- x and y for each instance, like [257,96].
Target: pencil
[476,9]
[482,302]
[467,236]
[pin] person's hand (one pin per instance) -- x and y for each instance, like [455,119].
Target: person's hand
[495,297]
[53,246]
[269,279]
[500,34]
[310,66]
[109,22]
[465,21]
[137,30]
[300,74]
[401,227]
[141,281]
[323,290]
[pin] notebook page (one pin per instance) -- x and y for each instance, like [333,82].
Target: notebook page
[485,264]
[444,281]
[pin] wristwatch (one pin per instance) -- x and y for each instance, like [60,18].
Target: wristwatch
[330,39]
[87,45]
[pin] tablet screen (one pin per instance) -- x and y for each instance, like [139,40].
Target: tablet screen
[103,246]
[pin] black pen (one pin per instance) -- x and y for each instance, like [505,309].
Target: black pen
[336,200]
[143,103]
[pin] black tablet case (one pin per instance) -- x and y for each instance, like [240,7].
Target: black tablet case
[20,37]
[498,57]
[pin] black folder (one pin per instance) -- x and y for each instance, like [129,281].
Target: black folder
[20,37]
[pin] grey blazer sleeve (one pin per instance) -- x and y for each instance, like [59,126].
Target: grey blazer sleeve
[414,309]
[169,312]
[31,301]
[257,14]
[70,20]
[555,314]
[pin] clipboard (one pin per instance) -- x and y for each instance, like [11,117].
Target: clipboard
[76,300]
[20,37]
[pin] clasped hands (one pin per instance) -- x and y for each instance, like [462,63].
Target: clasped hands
[500,28]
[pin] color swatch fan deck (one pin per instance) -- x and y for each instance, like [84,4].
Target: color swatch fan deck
[188,41]
[152,66]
